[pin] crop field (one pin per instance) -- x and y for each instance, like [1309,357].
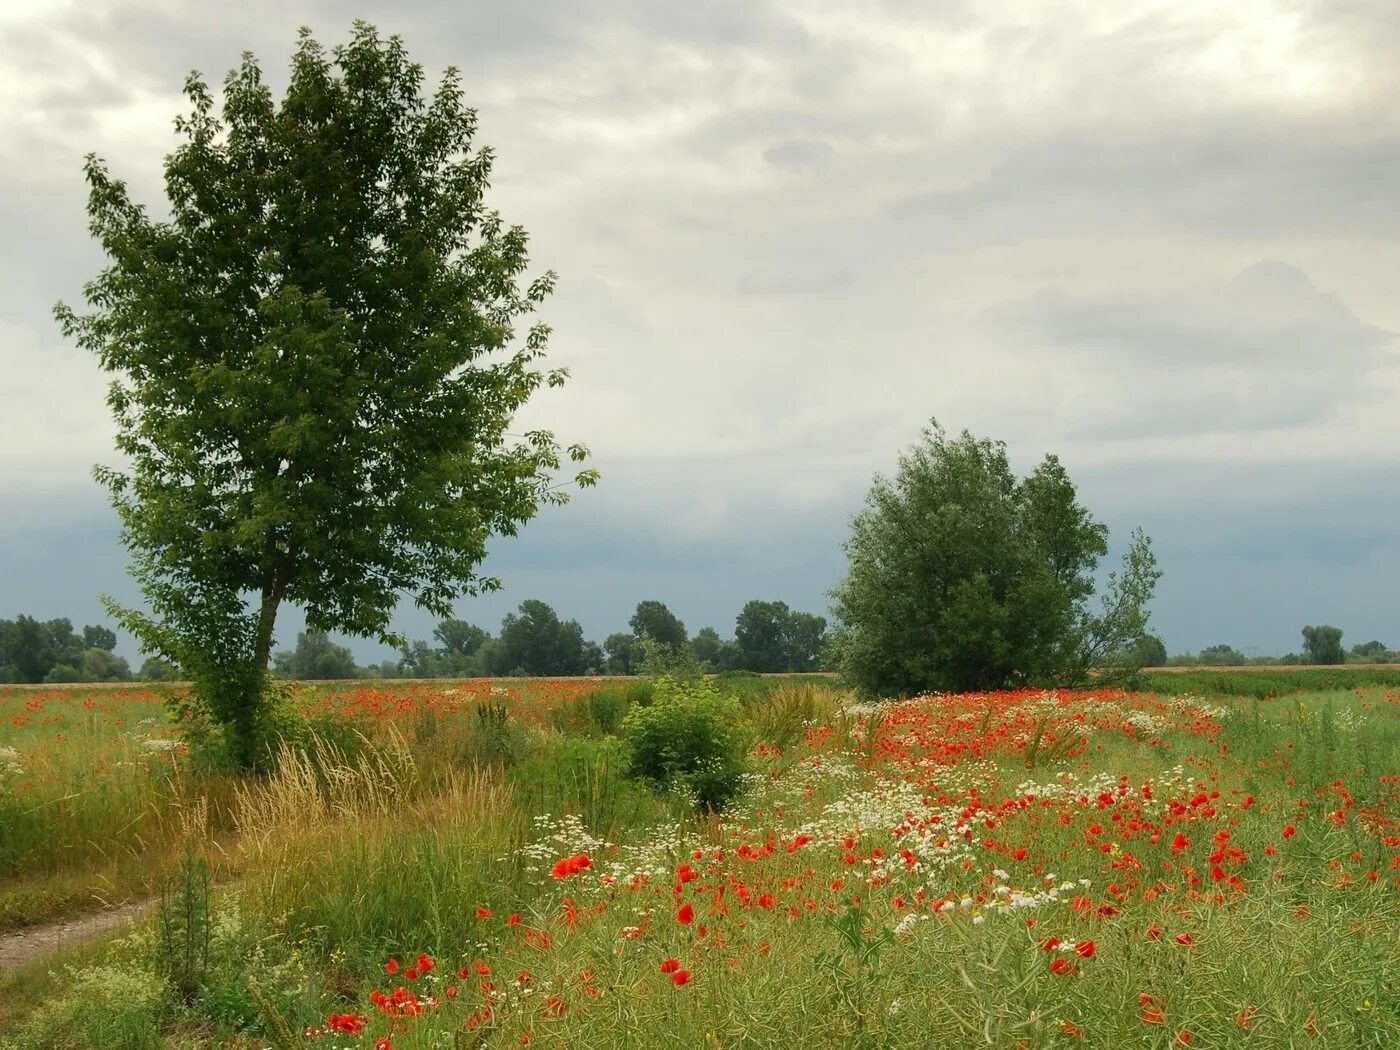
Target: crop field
[471,864]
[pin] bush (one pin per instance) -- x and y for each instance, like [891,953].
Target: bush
[108,1007]
[687,740]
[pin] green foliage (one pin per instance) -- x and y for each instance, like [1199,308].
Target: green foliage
[315,658]
[652,620]
[537,642]
[962,577]
[183,927]
[660,660]
[1265,683]
[113,1006]
[313,372]
[52,651]
[1323,645]
[623,652]
[769,638]
[1149,651]
[1372,652]
[687,739]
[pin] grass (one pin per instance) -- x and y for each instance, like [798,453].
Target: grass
[1033,869]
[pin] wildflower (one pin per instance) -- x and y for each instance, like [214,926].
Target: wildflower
[351,1023]
[1062,967]
[392,966]
[483,913]
[1289,831]
[670,965]
[685,914]
[1084,949]
[425,963]
[680,977]
[1184,1037]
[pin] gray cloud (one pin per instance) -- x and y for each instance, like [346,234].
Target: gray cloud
[789,233]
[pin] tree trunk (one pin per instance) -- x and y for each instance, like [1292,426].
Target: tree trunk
[248,716]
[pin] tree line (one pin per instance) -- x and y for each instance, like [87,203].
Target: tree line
[1322,645]
[33,650]
[769,637]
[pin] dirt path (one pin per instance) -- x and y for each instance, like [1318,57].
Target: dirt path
[38,942]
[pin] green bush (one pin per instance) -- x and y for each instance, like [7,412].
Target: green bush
[108,1007]
[688,740]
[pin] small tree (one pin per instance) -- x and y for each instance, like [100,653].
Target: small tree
[313,362]
[1323,645]
[963,577]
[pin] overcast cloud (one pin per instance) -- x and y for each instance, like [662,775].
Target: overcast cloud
[1161,240]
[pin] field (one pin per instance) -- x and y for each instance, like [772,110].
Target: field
[467,864]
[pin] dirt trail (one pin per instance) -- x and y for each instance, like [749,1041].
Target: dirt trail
[38,942]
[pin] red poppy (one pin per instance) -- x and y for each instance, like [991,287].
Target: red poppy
[685,914]
[1084,949]
[670,965]
[1062,967]
[680,977]
[392,966]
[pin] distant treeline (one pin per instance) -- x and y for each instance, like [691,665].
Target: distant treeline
[1322,644]
[53,651]
[768,637]
[1269,682]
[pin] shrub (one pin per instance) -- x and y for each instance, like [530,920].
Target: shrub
[688,740]
[108,1007]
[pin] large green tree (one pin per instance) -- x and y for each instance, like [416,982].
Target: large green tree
[963,577]
[316,361]
[1322,644]
[653,620]
[535,641]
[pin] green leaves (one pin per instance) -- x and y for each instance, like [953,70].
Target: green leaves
[312,358]
[962,577]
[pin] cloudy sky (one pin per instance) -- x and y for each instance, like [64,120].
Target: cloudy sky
[1161,240]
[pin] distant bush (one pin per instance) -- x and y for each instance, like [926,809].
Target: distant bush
[688,739]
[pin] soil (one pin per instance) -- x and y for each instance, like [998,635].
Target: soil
[39,942]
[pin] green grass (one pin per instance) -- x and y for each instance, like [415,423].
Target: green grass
[1026,817]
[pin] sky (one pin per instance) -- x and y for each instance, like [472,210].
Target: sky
[1158,239]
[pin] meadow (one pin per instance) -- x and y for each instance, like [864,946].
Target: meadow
[461,864]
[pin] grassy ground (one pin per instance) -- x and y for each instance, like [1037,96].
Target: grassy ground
[1012,869]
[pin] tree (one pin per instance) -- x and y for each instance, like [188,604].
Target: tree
[96,637]
[1149,651]
[536,642]
[961,576]
[154,669]
[29,649]
[461,641]
[769,638]
[1372,652]
[653,620]
[1322,645]
[315,365]
[759,636]
[707,647]
[316,658]
[103,665]
[623,652]
[1221,655]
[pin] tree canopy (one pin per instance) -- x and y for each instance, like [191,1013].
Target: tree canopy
[962,576]
[1322,644]
[316,362]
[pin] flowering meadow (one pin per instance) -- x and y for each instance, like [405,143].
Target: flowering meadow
[1017,869]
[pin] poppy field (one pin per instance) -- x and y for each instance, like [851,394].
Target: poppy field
[1013,869]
